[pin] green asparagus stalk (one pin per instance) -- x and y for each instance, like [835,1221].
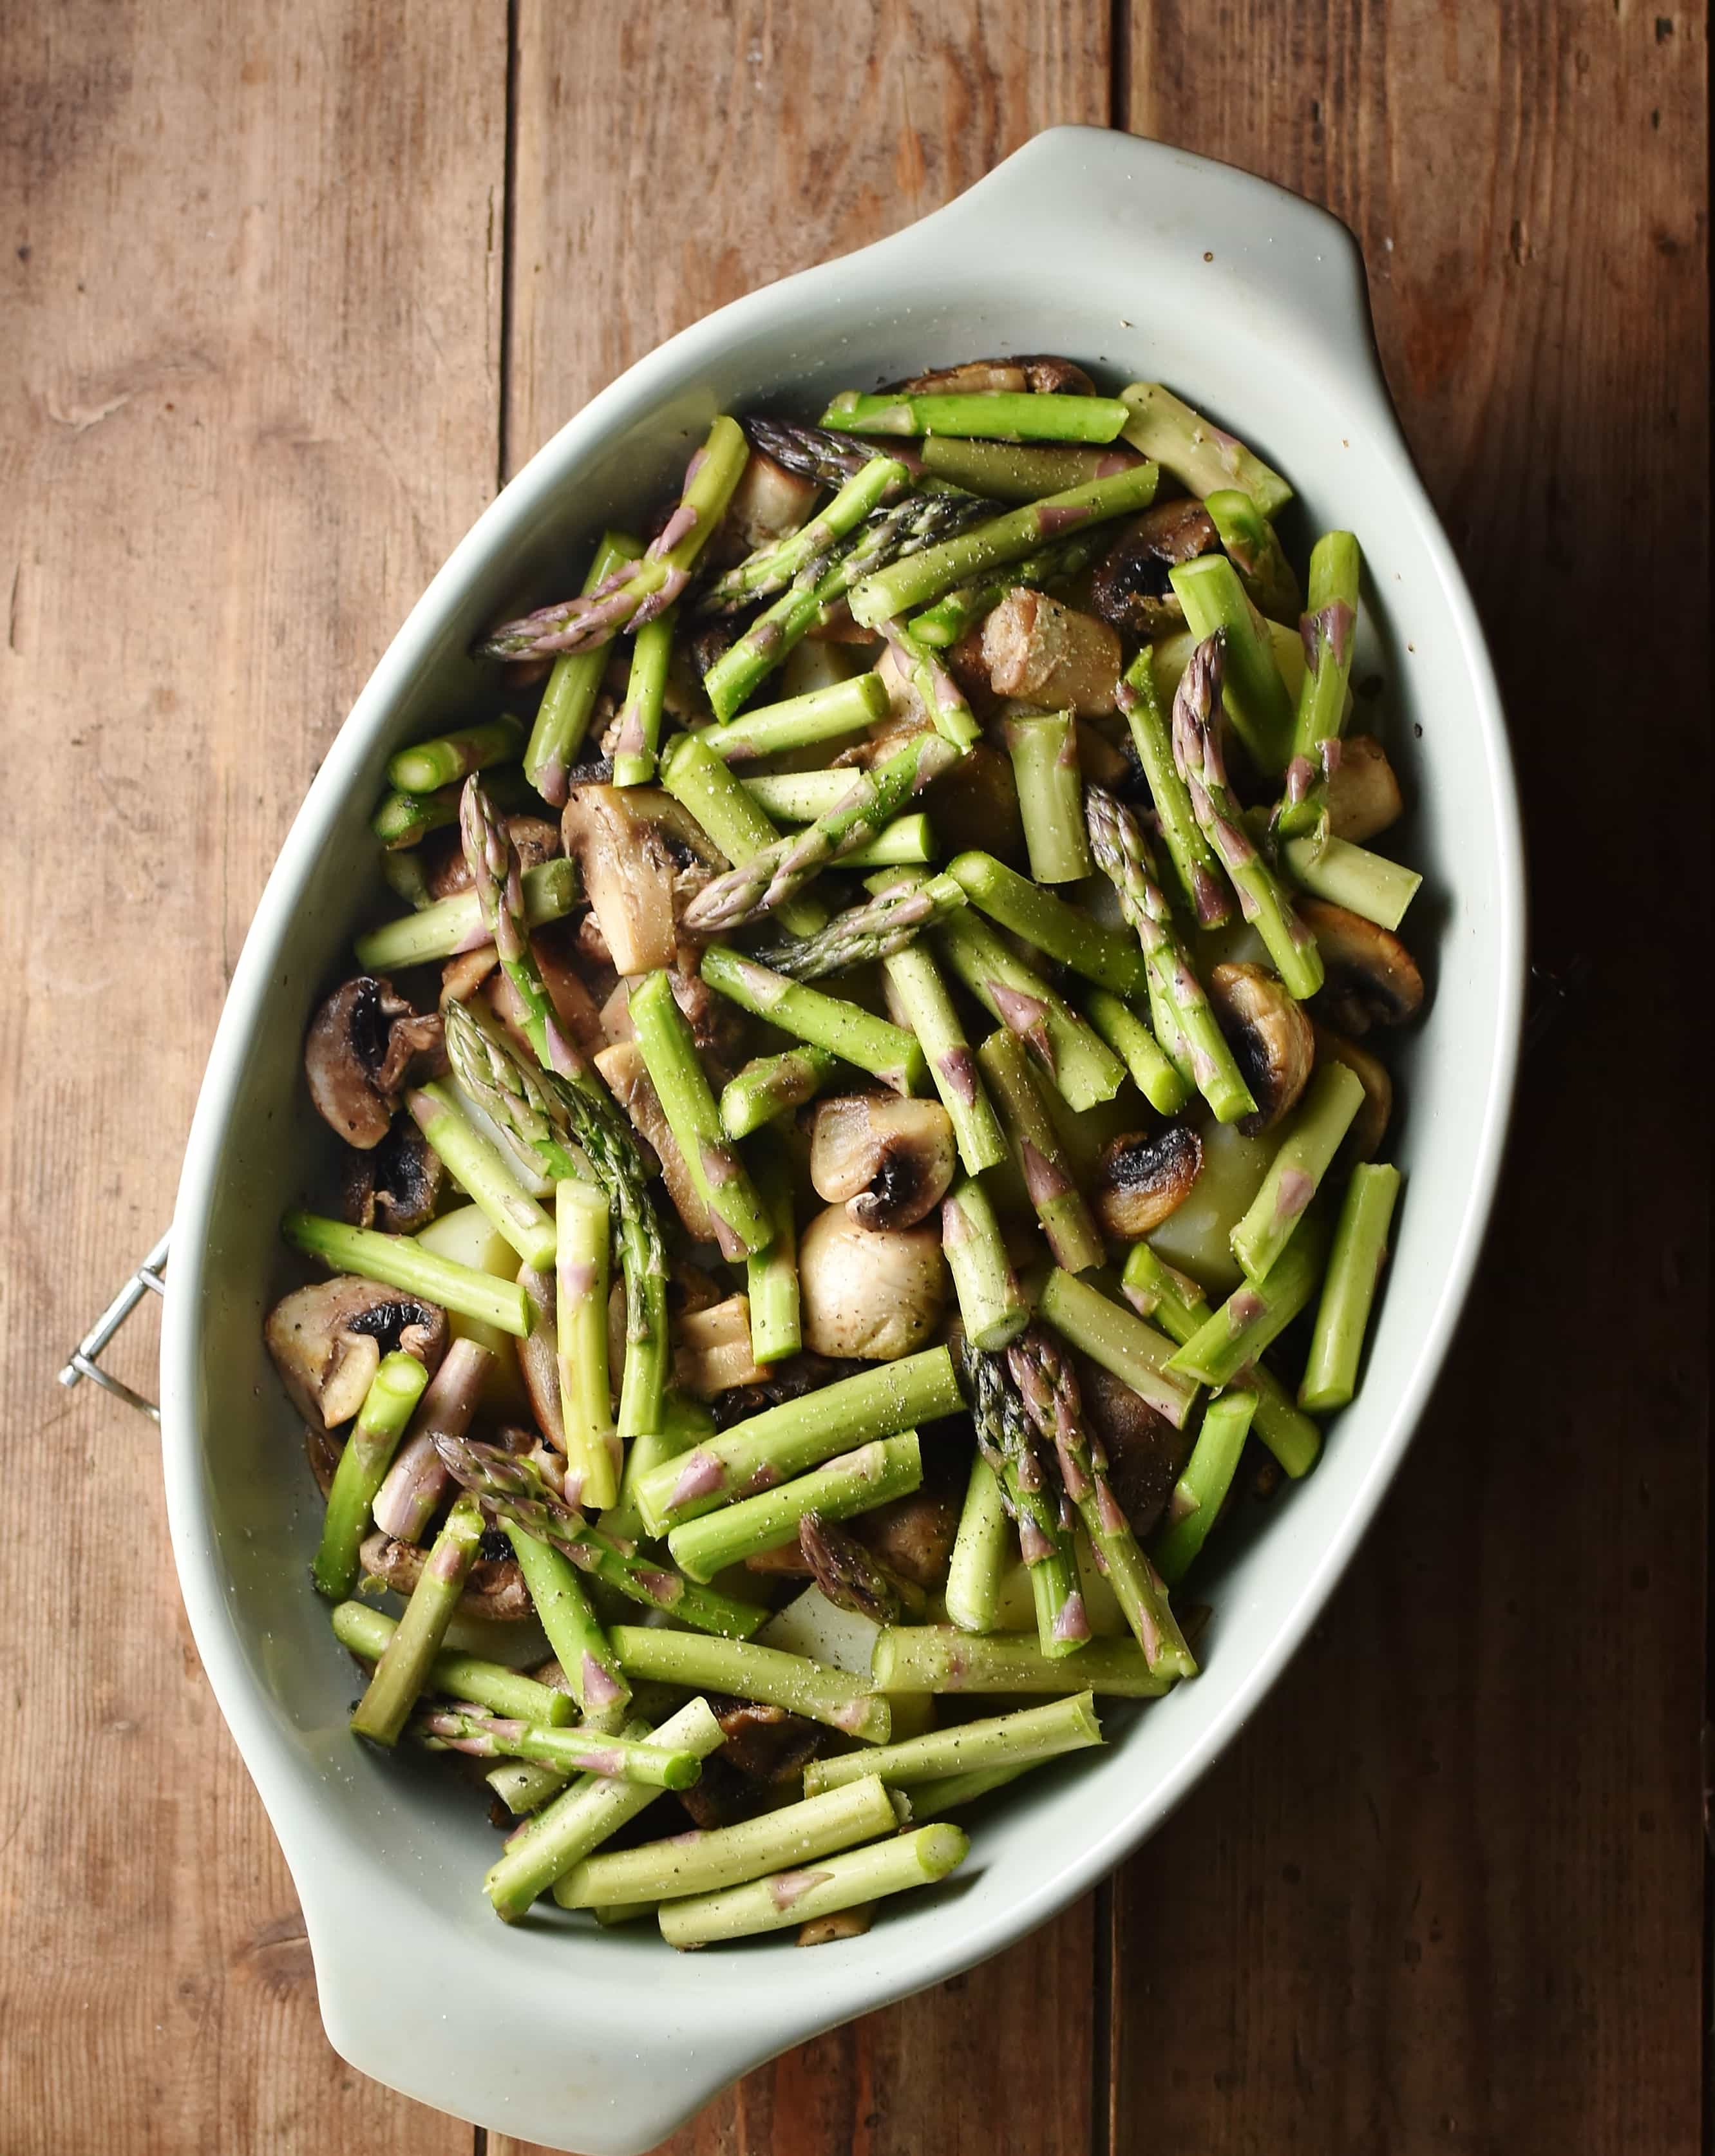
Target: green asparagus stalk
[404,819]
[1015,472]
[934,1800]
[920,998]
[889,922]
[365,1632]
[412,1487]
[588,1814]
[1083,1067]
[781,871]
[845,1881]
[785,1441]
[401,1262]
[1049,1391]
[1307,1149]
[1197,750]
[767,1674]
[807,721]
[772,567]
[770,1274]
[572,1751]
[1198,455]
[841,1029]
[1122,855]
[1050,790]
[1197,867]
[684,1422]
[699,781]
[455,924]
[906,585]
[1006,1441]
[1249,541]
[799,797]
[1360,1250]
[728,1856]
[1255,695]
[405,877]
[741,1224]
[563,715]
[1232,1337]
[874,1473]
[593,1448]
[639,735]
[479,1169]
[394,1392]
[628,600]
[523,1787]
[989,414]
[497,879]
[1124,1345]
[1362,882]
[449,757]
[1034,1732]
[1202,1487]
[937,1658]
[410,1655]
[982,1550]
[573,1630]
[992,1305]
[935,687]
[1105,956]
[771,1086]
[1327,630]
[1158,1077]
[942,625]
[1066,1220]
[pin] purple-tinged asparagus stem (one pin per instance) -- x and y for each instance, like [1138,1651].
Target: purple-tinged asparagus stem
[1196,864]
[497,879]
[1066,1220]
[1326,629]
[771,568]
[409,1655]
[1006,1441]
[417,1480]
[889,922]
[1050,1393]
[937,692]
[463,1728]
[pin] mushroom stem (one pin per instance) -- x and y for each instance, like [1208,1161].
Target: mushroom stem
[581,1304]
[401,1262]
[855,1482]
[1202,1487]
[478,1167]
[1355,1265]
[455,924]
[408,1656]
[394,1392]
[562,717]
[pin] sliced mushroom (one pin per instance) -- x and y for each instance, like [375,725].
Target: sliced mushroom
[460,977]
[360,1047]
[844,1924]
[1145,1453]
[1363,792]
[783,1381]
[627,869]
[1371,978]
[711,1350]
[494,1586]
[394,1186]
[890,1160]
[1271,1038]
[1142,1176]
[327,1340]
[564,975]
[1042,372]
[912,1536]
[449,872]
[768,502]
[765,1742]
[628,1080]
[1049,653]
[538,1357]
[323,1454]
[1129,586]
[873,1293]
[1363,1140]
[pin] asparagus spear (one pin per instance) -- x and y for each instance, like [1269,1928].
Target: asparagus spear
[497,879]
[404,819]
[593,1448]
[772,567]
[904,585]
[1362,882]
[562,717]
[573,1629]
[919,997]
[1066,1220]
[889,922]
[452,925]
[572,1751]
[937,690]
[1050,1393]
[629,599]
[741,1224]
[1359,1252]
[846,1880]
[1104,955]
[1198,453]
[401,1262]
[771,1086]
[1050,790]
[934,1800]
[807,721]
[1255,695]
[405,877]
[427,765]
[937,1658]
[1197,753]
[771,1274]
[639,733]
[1156,1074]
[874,1473]
[1306,1152]
[943,624]
[1232,1337]
[413,1486]
[781,871]
[1122,855]
[842,1029]
[1034,1732]
[1125,1346]
[991,414]
[991,1303]
[764,1674]
[1196,864]
[982,1550]
[394,1392]
[1326,633]
[812,452]
[1249,541]
[1202,1487]
[479,1169]
[684,1422]
[409,1655]
[699,781]
[1006,471]
[1083,1067]
[1005,1440]
[365,1632]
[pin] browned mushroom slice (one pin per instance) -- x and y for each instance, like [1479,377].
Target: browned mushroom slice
[783,1381]
[1047,653]
[556,954]
[323,1453]
[1042,372]
[394,1186]
[494,1587]
[1371,978]
[1364,793]
[1129,586]
[360,1046]
[844,1924]
[1272,1040]
[768,502]
[1363,1140]
[449,872]
[876,1293]
[628,872]
[765,1742]
[460,977]
[327,1340]
[890,1160]
[1145,1453]
[623,1069]
[1142,1176]
[711,1349]
[912,1536]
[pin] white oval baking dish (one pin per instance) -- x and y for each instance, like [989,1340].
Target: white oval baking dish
[1146,262]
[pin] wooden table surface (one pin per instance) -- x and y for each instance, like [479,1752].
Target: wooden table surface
[286,292]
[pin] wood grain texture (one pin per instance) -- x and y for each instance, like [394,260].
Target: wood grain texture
[250,297]
[1446,1893]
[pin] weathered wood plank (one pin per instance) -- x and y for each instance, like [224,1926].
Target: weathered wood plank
[1447,1891]
[251,287]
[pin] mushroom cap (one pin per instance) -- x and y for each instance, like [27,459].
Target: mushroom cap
[1363,792]
[635,846]
[873,1293]
[327,1340]
[1145,1453]
[1371,978]
[1129,586]
[1272,1041]
[394,1186]
[1143,1176]
[890,1160]
[360,1046]
[494,1586]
